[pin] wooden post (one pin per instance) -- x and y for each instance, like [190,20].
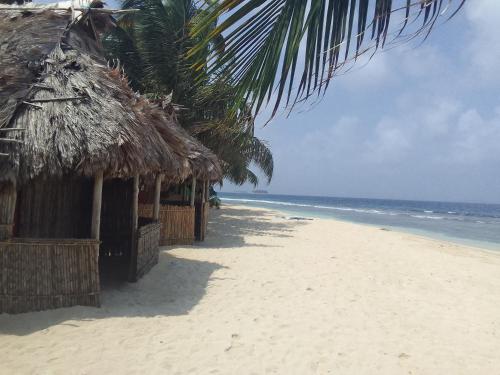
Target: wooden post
[203,192]
[184,195]
[135,204]
[156,207]
[193,190]
[132,275]
[95,229]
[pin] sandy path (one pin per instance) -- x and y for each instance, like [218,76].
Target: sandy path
[266,295]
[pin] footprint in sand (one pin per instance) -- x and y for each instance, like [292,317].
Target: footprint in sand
[234,337]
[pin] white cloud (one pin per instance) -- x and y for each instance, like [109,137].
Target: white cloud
[483,45]
[430,131]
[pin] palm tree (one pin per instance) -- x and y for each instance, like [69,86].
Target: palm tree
[288,50]
[151,45]
[12,2]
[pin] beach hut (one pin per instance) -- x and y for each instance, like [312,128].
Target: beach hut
[183,213]
[74,143]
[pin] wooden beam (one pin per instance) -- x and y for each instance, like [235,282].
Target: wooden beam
[44,87]
[33,105]
[6,130]
[10,140]
[31,101]
[156,207]
[193,191]
[95,229]
[203,192]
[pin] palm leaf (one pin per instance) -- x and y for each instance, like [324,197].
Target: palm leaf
[263,41]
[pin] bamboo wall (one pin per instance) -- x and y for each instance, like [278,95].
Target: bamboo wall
[148,241]
[7,210]
[177,223]
[40,274]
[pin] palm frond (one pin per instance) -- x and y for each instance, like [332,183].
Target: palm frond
[152,44]
[278,50]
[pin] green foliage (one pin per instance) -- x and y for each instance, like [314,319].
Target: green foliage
[213,199]
[152,45]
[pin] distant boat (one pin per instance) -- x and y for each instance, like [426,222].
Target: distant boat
[260,192]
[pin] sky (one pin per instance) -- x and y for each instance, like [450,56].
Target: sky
[419,122]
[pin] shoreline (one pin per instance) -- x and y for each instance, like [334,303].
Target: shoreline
[268,295]
[478,244]
[388,228]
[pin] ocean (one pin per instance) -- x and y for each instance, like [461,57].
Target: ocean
[473,224]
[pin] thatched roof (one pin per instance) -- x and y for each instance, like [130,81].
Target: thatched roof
[107,127]
[204,164]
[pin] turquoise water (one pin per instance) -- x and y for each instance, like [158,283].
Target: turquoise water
[472,224]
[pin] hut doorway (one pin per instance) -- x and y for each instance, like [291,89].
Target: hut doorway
[116,230]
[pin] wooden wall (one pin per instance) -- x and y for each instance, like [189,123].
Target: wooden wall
[7,209]
[54,208]
[148,242]
[40,274]
[177,223]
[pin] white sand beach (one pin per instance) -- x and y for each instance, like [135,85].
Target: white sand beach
[268,295]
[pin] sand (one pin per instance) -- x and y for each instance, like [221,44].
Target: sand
[268,295]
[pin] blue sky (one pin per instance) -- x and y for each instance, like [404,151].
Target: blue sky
[417,122]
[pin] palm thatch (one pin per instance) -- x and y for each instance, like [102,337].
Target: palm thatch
[78,114]
[203,163]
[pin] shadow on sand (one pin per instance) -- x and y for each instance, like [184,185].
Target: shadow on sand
[229,226]
[173,287]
